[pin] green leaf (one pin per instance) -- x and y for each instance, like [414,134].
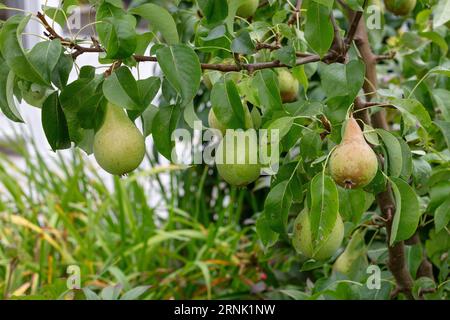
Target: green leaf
[413,108]
[165,122]
[318,29]
[407,165]
[227,105]
[182,69]
[394,152]
[286,55]
[44,56]
[324,207]
[13,53]
[214,11]
[444,126]
[82,94]
[339,80]
[121,42]
[266,83]
[7,103]
[116,31]
[121,89]
[134,293]
[266,234]
[277,205]
[243,43]
[282,124]
[407,213]
[61,72]
[442,215]
[352,204]
[147,119]
[160,19]
[54,123]
[441,13]
[148,88]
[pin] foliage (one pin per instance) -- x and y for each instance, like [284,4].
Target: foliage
[403,102]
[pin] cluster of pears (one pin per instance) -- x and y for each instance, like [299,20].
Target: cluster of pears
[119,147]
[400,7]
[353,164]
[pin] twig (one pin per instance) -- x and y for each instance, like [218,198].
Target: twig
[296,13]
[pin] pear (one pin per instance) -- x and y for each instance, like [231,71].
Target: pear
[215,123]
[288,86]
[400,7]
[354,255]
[248,8]
[302,238]
[241,167]
[119,147]
[353,164]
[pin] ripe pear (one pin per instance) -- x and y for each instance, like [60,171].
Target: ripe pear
[353,164]
[288,86]
[119,147]
[247,9]
[302,238]
[400,7]
[354,254]
[241,166]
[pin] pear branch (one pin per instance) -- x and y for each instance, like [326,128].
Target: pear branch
[397,261]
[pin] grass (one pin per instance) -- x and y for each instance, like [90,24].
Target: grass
[183,239]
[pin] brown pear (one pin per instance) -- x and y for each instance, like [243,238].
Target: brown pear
[353,164]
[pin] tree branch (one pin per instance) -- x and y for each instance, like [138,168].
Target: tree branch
[397,261]
[296,13]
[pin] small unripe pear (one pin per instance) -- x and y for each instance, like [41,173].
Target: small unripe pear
[302,238]
[247,9]
[216,124]
[288,86]
[241,166]
[400,7]
[119,146]
[353,164]
[355,250]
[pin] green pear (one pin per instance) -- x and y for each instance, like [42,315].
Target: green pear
[288,86]
[216,124]
[353,164]
[302,238]
[353,256]
[241,166]
[248,8]
[119,147]
[400,7]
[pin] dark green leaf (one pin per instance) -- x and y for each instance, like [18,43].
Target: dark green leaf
[54,123]
[324,207]
[160,19]
[407,213]
[13,53]
[182,69]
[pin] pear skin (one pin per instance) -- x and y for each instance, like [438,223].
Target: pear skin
[353,164]
[119,147]
[238,168]
[302,238]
